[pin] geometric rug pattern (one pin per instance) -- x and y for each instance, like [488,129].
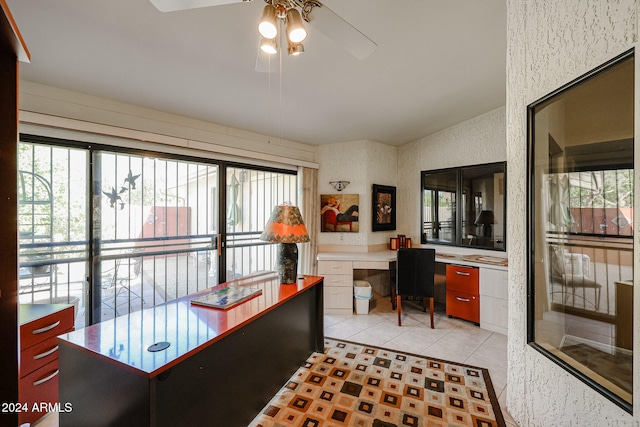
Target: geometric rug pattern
[358,385]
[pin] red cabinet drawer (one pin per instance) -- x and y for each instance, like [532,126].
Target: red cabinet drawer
[40,324]
[46,327]
[38,355]
[40,386]
[463,305]
[463,279]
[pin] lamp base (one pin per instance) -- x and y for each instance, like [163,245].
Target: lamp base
[287,262]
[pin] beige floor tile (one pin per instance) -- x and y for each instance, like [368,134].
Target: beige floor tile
[452,339]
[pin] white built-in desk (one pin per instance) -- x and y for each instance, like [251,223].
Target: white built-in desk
[337,269]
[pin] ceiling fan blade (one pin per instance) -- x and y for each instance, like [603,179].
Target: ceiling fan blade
[173,5]
[340,31]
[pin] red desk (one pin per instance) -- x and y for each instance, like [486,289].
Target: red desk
[221,368]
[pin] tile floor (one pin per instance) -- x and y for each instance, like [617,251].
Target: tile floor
[452,339]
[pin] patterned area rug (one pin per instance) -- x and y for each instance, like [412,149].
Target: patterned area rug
[363,386]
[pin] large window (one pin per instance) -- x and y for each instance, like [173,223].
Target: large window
[465,206]
[581,228]
[115,231]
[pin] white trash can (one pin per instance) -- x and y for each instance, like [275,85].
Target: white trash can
[362,294]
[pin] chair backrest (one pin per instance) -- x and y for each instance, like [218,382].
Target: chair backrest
[566,263]
[415,270]
[577,264]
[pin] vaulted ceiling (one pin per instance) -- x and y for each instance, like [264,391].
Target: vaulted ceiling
[437,63]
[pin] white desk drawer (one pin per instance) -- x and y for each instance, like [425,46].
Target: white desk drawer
[335,267]
[338,297]
[370,265]
[338,280]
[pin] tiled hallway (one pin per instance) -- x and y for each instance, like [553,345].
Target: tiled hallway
[452,339]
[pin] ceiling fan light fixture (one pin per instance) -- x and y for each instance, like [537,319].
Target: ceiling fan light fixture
[268,45]
[267,26]
[295,49]
[295,30]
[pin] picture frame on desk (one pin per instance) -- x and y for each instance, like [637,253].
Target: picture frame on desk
[383,208]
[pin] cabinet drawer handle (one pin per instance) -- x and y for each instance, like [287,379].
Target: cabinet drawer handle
[463,299]
[46,328]
[46,353]
[44,380]
[462,273]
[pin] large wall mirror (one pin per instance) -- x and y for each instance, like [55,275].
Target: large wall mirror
[581,174]
[465,206]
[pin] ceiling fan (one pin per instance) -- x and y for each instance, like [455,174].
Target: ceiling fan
[312,11]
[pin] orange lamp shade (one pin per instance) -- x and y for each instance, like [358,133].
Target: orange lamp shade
[285,225]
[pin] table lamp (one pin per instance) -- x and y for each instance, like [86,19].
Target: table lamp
[485,219]
[286,227]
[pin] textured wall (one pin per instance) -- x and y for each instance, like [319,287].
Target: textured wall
[475,141]
[362,163]
[552,42]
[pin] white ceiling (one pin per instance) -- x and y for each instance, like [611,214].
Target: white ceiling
[438,62]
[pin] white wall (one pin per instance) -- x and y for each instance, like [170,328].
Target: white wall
[552,42]
[362,163]
[475,141]
[56,112]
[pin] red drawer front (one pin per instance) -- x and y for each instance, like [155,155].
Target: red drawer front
[463,279]
[40,386]
[38,355]
[463,305]
[46,327]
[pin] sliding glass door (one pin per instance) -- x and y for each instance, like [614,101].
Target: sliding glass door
[113,232]
[251,196]
[155,234]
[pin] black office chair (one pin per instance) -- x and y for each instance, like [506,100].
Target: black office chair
[415,270]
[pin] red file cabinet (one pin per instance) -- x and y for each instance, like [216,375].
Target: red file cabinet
[463,293]
[40,324]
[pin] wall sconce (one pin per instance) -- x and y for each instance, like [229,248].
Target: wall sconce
[339,185]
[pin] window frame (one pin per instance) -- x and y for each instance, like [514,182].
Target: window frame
[531,237]
[459,209]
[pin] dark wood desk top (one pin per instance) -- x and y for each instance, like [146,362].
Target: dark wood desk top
[188,328]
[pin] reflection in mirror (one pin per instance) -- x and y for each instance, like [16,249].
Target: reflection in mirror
[483,200]
[581,228]
[465,206]
[439,206]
